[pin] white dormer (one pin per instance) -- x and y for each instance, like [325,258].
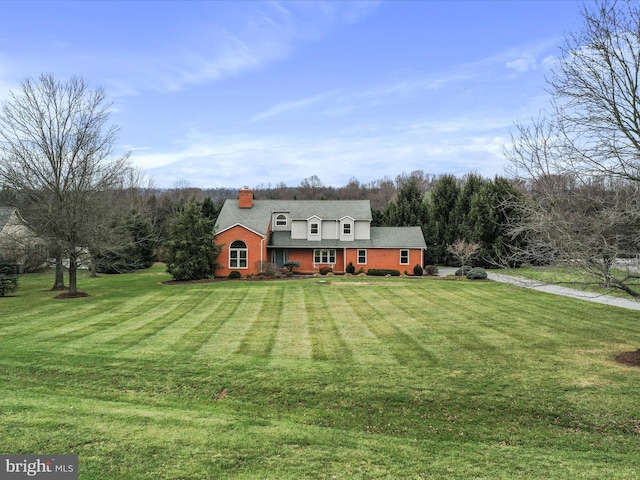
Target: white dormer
[314,228]
[281,221]
[347,229]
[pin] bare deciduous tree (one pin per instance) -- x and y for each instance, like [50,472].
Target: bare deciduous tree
[573,217]
[56,153]
[580,161]
[463,251]
[596,90]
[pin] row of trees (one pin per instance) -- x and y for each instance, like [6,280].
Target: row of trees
[473,210]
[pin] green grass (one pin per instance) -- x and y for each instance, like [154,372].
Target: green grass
[576,278]
[357,378]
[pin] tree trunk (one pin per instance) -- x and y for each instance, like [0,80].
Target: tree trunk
[73,274]
[58,283]
[93,271]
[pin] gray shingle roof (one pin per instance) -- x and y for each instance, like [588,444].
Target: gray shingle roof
[257,217]
[381,237]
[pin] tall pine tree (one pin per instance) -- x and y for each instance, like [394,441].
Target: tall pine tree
[192,251]
[443,200]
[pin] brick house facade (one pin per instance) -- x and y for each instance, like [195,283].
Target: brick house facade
[316,233]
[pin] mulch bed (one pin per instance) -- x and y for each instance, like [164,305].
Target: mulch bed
[629,358]
[68,296]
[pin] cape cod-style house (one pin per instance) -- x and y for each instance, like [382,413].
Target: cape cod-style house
[316,233]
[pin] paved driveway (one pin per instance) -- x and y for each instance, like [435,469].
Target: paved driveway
[555,289]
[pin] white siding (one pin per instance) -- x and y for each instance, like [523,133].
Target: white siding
[362,230]
[299,229]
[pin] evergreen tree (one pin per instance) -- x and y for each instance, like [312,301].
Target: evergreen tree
[472,184]
[491,209]
[191,248]
[443,200]
[410,209]
[210,209]
[8,277]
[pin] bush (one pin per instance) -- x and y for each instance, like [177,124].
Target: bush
[463,270]
[383,272]
[431,270]
[350,268]
[477,273]
[234,274]
[418,271]
[325,270]
[291,264]
[268,269]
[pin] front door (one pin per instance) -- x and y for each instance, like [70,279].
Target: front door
[279,257]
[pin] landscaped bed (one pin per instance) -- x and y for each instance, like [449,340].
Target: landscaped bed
[290,380]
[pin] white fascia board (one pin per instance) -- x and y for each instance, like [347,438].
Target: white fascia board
[240,225]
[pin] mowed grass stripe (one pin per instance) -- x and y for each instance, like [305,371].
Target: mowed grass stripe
[365,346]
[382,318]
[454,322]
[84,324]
[506,318]
[231,321]
[217,310]
[326,341]
[133,327]
[165,340]
[55,314]
[260,338]
[293,340]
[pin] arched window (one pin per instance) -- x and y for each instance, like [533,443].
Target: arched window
[238,254]
[281,220]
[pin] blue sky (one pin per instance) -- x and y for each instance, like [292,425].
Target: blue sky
[233,93]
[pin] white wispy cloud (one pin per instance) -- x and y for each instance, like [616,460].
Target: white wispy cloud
[285,107]
[268,32]
[372,152]
[414,84]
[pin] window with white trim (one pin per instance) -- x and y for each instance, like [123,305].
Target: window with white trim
[404,257]
[362,257]
[346,229]
[314,228]
[238,254]
[281,221]
[324,256]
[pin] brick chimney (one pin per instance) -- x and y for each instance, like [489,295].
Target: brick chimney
[245,198]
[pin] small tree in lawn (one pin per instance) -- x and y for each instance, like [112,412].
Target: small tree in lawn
[8,277]
[191,247]
[463,251]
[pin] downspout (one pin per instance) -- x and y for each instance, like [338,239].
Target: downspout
[262,253]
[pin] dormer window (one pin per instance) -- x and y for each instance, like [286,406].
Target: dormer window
[281,220]
[347,227]
[314,228]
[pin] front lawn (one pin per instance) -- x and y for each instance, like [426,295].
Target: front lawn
[348,378]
